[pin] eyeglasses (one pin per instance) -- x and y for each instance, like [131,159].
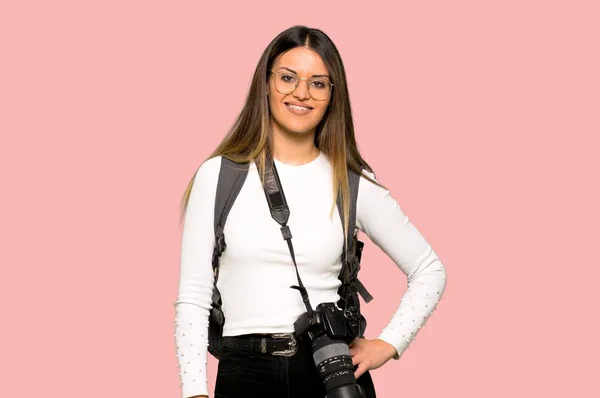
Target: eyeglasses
[287,82]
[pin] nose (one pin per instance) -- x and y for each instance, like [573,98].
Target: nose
[301,92]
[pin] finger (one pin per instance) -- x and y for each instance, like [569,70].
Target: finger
[362,368]
[353,351]
[356,360]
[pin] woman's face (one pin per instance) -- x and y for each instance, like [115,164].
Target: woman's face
[305,63]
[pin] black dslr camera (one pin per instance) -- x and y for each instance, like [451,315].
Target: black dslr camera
[326,329]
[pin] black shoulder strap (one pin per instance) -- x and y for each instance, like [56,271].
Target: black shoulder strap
[231,179]
[281,213]
[354,182]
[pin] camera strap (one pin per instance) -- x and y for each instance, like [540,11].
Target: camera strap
[281,213]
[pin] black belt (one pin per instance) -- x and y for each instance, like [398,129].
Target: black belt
[283,344]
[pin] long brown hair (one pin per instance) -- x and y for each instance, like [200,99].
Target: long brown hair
[248,140]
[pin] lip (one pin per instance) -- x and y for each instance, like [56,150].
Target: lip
[296,111]
[298,104]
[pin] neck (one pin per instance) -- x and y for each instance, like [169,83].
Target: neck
[293,148]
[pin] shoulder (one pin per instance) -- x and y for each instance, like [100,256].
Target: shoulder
[209,168]
[367,173]
[210,165]
[370,190]
[368,181]
[207,174]
[376,208]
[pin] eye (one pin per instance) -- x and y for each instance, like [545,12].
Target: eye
[320,84]
[288,78]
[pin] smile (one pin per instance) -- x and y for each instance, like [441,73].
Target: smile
[298,110]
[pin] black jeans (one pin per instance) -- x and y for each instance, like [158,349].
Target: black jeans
[244,374]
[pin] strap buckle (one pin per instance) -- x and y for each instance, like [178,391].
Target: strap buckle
[293,344]
[353,266]
[220,243]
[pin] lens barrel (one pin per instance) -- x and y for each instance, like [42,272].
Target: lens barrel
[334,364]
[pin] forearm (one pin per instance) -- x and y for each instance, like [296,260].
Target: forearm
[418,303]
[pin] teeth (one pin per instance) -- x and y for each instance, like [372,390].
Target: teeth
[300,108]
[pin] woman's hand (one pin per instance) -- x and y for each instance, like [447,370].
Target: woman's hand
[370,354]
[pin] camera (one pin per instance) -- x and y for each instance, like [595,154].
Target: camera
[326,328]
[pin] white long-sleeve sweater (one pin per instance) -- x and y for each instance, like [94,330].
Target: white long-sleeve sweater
[256,269]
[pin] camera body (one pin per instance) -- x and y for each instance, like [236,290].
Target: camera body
[327,329]
[326,318]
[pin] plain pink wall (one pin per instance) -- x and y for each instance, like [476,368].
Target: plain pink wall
[482,117]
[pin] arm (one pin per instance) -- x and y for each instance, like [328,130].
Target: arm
[384,222]
[194,297]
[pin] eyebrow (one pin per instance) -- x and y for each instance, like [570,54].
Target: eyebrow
[291,70]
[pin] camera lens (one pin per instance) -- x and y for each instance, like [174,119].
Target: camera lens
[334,364]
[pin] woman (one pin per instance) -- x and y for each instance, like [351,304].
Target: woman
[298,116]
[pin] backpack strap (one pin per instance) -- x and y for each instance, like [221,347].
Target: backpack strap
[350,262]
[231,179]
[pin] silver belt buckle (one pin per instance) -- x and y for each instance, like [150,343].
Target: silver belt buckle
[293,345]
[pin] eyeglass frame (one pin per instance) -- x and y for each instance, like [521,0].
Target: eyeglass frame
[298,83]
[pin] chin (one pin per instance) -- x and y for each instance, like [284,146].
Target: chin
[293,129]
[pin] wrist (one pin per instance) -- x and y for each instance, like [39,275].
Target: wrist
[390,350]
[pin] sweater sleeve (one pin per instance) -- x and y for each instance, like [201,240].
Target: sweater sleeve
[386,225]
[194,297]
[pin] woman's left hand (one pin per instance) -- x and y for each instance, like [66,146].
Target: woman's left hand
[370,354]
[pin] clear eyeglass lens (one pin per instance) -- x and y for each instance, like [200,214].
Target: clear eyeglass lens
[318,88]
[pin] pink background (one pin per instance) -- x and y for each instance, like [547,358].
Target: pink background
[482,117]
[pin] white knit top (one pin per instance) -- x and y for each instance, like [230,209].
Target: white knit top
[256,269]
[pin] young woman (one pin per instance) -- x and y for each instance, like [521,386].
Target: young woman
[298,116]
